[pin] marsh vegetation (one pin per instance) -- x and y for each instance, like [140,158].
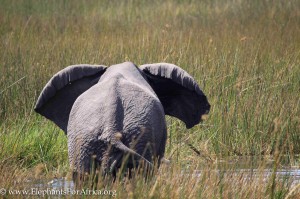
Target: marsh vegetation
[244,55]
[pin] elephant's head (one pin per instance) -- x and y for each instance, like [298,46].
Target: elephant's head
[92,103]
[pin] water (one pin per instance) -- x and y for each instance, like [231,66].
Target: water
[293,175]
[60,183]
[247,169]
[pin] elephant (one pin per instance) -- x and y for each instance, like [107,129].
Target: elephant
[112,112]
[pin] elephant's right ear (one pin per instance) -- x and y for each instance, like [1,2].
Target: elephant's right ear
[58,96]
[178,92]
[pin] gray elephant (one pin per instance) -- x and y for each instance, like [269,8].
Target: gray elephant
[109,113]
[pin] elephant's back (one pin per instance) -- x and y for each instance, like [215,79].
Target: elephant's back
[141,106]
[116,104]
[144,119]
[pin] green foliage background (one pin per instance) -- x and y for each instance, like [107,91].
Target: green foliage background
[244,55]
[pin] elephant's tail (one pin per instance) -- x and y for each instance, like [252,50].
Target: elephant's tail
[117,143]
[124,148]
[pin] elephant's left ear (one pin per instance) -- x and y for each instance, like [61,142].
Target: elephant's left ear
[178,92]
[59,94]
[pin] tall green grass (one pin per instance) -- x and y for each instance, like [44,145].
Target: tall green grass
[244,55]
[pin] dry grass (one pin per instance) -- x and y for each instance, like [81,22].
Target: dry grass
[244,54]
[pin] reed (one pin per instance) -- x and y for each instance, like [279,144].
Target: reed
[244,54]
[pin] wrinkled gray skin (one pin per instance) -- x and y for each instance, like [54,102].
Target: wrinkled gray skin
[121,111]
[110,112]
